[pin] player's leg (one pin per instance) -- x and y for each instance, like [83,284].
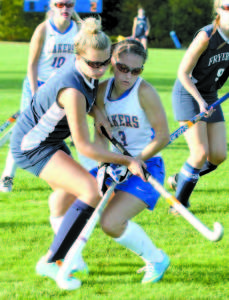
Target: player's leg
[115,221]
[64,172]
[197,140]
[6,182]
[144,42]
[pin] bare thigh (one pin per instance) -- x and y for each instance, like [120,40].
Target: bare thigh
[119,210]
[63,172]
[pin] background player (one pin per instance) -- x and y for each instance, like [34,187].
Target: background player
[203,70]
[141,27]
[51,47]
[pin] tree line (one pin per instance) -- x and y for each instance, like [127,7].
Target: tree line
[185,17]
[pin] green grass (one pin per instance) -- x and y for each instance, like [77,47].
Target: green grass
[199,268]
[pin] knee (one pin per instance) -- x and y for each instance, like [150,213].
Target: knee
[219,159]
[111,226]
[90,193]
[200,155]
[59,202]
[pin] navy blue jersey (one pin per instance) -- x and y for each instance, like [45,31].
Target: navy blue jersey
[141,26]
[44,122]
[212,68]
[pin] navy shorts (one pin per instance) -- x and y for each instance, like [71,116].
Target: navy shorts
[36,168]
[137,187]
[185,106]
[140,37]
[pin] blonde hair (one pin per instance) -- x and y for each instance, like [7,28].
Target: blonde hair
[216,21]
[91,35]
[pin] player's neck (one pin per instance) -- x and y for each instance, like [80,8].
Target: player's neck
[61,25]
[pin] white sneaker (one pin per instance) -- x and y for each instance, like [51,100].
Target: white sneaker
[47,269]
[80,266]
[6,184]
[51,270]
[67,283]
[155,271]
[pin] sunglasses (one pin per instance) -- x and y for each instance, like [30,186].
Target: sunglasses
[96,64]
[125,69]
[225,7]
[62,4]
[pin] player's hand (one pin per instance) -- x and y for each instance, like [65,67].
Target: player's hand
[204,108]
[136,168]
[101,120]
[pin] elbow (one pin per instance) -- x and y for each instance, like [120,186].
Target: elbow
[165,138]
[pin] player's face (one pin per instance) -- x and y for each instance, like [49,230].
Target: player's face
[223,11]
[63,8]
[94,63]
[127,68]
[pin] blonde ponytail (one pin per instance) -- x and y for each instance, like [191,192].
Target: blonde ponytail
[91,36]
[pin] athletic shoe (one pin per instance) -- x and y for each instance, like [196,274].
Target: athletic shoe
[47,269]
[6,184]
[68,283]
[80,266]
[172,181]
[155,271]
[51,270]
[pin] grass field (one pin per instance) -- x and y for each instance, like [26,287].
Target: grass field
[199,269]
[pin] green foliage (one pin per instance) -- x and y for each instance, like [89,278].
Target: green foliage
[185,17]
[15,24]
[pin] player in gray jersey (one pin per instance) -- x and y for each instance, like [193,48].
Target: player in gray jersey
[57,110]
[51,46]
[203,70]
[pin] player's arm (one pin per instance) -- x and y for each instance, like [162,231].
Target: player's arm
[151,104]
[148,27]
[74,103]
[191,57]
[35,48]
[99,138]
[134,27]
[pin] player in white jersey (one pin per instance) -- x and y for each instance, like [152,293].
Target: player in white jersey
[138,120]
[51,47]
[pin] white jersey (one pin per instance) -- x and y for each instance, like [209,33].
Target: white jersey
[128,120]
[58,48]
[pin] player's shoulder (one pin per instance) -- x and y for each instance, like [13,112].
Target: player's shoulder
[147,92]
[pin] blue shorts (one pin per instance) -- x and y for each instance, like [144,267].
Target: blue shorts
[26,96]
[185,106]
[36,168]
[140,37]
[137,187]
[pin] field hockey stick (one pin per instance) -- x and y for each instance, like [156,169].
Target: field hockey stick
[6,137]
[9,121]
[195,119]
[79,244]
[214,236]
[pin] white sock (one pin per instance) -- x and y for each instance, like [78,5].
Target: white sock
[10,167]
[135,239]
[55,223]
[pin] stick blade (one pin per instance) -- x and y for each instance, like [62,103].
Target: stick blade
[218,232]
